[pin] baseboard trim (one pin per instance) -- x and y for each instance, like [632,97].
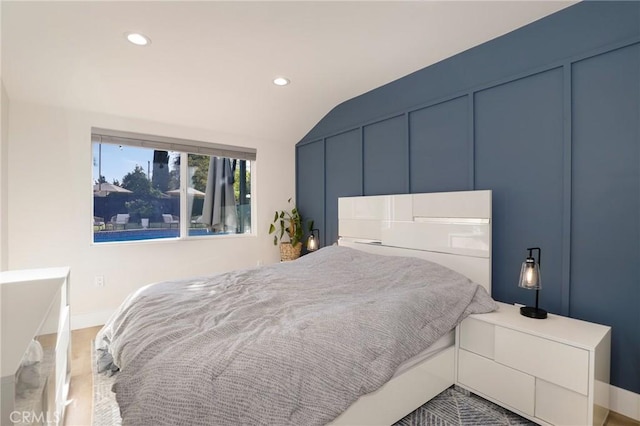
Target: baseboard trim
[621,400]
[624,402]
[91,319]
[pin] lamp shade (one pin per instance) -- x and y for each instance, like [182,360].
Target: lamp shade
[530,275]
[530,279]
[312,243]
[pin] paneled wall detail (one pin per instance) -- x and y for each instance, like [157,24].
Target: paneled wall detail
[344,153]
[439,147]
[558,145]
[310,168]
[385,157]
[518,154]
[605,234]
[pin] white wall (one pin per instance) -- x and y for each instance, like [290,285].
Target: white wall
[4,110]
[50,209]
[4,145]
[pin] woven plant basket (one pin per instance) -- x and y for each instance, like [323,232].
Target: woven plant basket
[289,252]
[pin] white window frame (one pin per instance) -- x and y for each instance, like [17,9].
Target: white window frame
[184,147]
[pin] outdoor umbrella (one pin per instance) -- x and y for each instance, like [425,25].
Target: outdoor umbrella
[219,210]
[104,189]
[190,191]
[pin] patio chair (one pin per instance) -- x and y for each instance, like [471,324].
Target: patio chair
[98,223]
[170,220]
[121,219]
[198,222]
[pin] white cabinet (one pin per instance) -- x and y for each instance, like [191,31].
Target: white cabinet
[35,322]
[550,371]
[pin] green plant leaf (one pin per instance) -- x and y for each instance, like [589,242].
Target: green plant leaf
[275,240]
[272,228]
[275,217]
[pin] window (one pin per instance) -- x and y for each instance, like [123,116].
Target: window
[149,187]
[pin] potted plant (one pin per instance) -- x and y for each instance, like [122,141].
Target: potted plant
[289,223]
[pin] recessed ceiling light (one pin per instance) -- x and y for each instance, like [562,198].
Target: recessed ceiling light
[138,39]
[281,81]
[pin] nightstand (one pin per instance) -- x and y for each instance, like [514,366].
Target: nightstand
[553,371]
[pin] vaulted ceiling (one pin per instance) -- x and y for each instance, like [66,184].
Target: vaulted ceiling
[211,64]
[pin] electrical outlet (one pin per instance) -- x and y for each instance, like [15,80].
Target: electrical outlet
[99,280]
[259,263]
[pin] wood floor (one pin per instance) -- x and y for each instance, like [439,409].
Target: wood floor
[80,400]
[81,390]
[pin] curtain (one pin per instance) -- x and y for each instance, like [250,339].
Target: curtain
[219,210]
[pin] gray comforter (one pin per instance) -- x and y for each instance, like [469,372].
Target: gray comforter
[289,344]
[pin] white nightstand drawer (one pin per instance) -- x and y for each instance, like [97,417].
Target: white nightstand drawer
[557,367]
[477,336]
[560,406]
[496,381]
[554,362]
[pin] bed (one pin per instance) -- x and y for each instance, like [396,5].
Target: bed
[450,228]
[358,333]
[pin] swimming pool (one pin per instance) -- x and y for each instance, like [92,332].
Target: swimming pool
[144,234]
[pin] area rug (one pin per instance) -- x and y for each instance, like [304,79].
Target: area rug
[453,407]
[105,408]
[457,407]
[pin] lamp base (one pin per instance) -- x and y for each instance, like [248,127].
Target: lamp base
[532,312]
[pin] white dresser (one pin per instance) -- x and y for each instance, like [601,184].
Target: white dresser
[552,371]
[35,315]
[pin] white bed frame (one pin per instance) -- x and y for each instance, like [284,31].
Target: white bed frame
[450,228]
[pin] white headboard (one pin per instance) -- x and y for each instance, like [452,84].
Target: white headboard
[449,228]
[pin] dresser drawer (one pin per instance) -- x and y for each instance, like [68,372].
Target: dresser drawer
[560,406]
[496,381]
[554,362]
[477,336]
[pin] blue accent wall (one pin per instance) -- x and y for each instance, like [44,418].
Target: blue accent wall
[385,157]
[518,153]
[548,117]
[344,179]
[310,168]
[440,154]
